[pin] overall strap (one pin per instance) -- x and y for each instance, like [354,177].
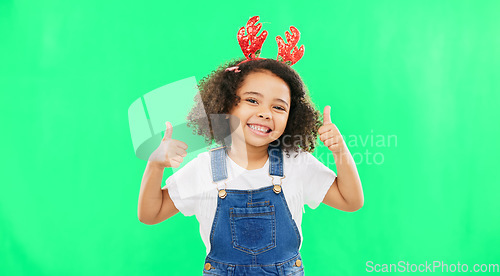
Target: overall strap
[219,168]
[276,160]
[218,163]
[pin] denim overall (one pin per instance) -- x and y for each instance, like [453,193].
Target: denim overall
[253,232]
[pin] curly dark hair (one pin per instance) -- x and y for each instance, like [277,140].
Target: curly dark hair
[218,96]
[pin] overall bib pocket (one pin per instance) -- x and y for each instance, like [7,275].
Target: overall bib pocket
[253,229]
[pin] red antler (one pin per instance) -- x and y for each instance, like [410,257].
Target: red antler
[285,53]
[251,43]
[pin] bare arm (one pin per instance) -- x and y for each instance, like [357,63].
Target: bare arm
[346,193]
[155,204]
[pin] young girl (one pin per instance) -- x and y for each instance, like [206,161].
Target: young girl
[253,191]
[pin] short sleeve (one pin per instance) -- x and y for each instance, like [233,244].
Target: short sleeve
[317,180]
[184,176]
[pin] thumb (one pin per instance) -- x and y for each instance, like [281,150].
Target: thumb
[168,131]
[326,115]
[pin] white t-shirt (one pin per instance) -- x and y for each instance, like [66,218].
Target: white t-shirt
[193,192]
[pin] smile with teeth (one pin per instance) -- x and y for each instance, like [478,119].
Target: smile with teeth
[260,128]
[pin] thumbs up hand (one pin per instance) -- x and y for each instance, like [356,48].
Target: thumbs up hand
[170,153]
[329,133]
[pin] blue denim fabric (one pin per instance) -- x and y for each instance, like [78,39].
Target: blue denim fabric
[253,232]
[219,168]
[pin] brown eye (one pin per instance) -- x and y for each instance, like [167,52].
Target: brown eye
[251,100]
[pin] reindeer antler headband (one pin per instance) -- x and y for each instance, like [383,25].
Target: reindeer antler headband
[251,44]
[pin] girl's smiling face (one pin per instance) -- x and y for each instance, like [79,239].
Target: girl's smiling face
[262,113]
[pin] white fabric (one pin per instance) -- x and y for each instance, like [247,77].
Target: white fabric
[306,182]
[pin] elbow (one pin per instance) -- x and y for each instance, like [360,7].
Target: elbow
[355,206]
[146,220]
[143,221]
[359,203]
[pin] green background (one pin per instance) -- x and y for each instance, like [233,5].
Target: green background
[426,72]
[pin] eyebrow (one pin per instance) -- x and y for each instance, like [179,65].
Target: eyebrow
[259,94]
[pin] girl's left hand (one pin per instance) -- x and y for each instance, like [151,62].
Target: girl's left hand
[330,134]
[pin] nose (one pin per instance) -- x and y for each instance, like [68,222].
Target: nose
[265,115]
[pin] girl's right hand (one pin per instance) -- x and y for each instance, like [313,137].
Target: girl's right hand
[170,153]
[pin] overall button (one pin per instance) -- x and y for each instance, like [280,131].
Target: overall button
[208,266]
[297,263]
[277,189]
[222,194]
